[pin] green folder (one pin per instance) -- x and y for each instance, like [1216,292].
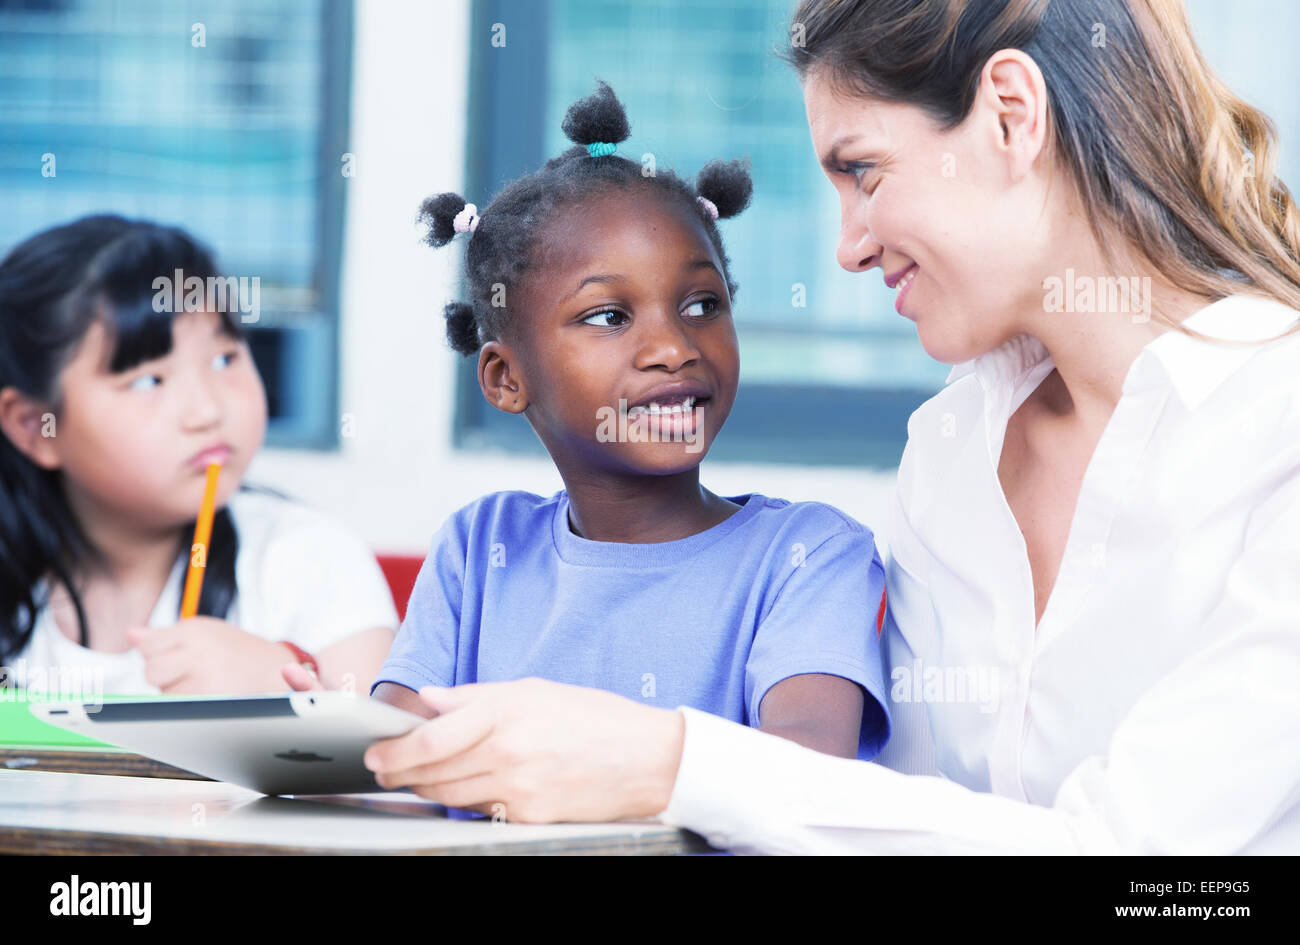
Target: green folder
[20,729]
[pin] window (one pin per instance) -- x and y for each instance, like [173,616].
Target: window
[223,119]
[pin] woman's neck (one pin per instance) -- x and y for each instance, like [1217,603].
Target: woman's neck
[642,509]
[1093,355]
[1093,350]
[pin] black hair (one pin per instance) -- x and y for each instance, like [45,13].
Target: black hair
[501,248]
[53,287]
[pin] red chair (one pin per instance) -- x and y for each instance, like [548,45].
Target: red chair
[400,572]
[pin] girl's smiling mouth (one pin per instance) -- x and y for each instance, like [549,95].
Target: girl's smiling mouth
[680,397]
[670,406]
[669,412]
[668,422]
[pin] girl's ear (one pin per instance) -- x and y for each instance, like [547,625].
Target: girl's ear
[500,379]
[30,427]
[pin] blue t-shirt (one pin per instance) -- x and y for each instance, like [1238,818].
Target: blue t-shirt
[711,621]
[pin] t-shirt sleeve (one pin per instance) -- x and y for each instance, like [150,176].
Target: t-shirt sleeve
[823,620]
[320,583]
[424,652]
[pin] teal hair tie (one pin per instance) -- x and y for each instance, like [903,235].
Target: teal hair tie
[600,148]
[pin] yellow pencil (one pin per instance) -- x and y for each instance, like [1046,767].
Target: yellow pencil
[199,549]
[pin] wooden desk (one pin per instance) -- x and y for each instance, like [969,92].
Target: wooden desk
[48,812]
[91,761]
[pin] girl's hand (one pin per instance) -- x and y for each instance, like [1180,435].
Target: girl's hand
[299,679]
[203,655]
[537,752]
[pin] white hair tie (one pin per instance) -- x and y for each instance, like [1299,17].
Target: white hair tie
[709,206]
[467,220]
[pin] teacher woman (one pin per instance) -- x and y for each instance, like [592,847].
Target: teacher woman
[1094,575]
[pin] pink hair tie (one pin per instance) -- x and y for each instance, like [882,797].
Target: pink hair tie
[709,206]
[467,220]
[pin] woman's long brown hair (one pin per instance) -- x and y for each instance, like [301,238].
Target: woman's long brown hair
[1161,152]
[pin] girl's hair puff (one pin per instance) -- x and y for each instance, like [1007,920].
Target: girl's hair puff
[503,245]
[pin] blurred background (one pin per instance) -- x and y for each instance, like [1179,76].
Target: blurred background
[298,137]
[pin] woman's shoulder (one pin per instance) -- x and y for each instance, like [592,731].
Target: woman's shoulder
[1278,357]
[1245,385]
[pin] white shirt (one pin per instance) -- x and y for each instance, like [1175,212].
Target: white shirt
[1156,708]
[301,576]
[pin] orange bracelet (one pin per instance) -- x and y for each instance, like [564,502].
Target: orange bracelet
[305,659]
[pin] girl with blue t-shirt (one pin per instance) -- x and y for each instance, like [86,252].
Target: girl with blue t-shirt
[600,309]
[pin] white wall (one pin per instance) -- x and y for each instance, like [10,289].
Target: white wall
[397,477]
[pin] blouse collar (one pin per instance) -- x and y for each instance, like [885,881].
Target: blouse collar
[1194,368]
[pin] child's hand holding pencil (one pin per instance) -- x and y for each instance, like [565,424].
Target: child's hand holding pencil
[203,654]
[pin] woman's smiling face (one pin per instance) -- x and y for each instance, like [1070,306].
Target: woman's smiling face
[626,302]
[949,217]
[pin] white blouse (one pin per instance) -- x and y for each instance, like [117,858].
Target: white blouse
[1155,709]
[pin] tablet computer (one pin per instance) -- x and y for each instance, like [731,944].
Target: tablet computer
[297,743]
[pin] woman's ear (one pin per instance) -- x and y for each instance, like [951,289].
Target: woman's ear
[1012,92]
[29,426]
[500,379]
